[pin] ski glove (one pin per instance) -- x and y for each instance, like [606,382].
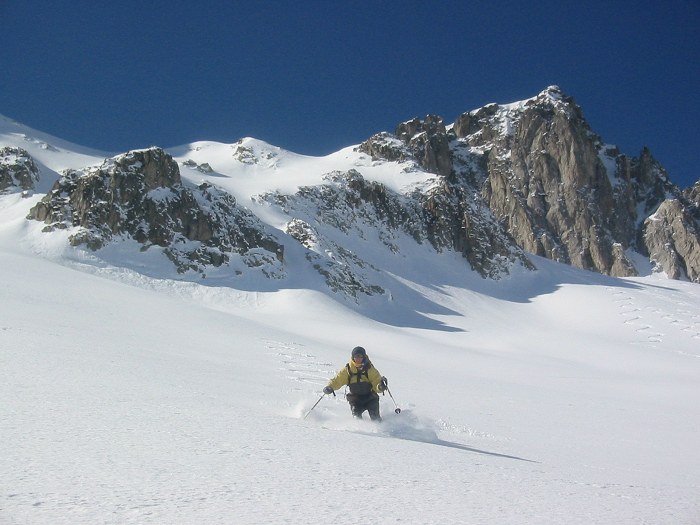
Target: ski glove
[383,384]
[327,390]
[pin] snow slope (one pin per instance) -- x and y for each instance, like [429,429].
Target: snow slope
[556,396]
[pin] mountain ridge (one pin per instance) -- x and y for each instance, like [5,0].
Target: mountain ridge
[501,182]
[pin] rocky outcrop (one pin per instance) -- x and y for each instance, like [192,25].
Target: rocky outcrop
[673,241]
[456,219]
[323,217]
[18,170]
[424,141]
[140,195]
[427,140]
[692,197]
[442,216]
[561,192]
[385,146]
[343,271]
[545,180]
[548,180]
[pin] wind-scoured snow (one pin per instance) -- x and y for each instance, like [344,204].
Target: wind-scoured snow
[548,397]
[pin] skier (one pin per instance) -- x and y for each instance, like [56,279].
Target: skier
[365,383]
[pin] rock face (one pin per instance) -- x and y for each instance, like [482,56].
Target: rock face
[440,216]
[348,205]
[551,183]
[547,183]
[424,141]
[673,245]
[692,196]
[140,195]
[17,170]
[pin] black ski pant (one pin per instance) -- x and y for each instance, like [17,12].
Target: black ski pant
[370,403]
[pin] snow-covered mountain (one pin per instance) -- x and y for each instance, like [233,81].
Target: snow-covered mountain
[556,188]
[499,183]
[169,317]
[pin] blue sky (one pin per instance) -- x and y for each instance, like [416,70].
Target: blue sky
[313,77]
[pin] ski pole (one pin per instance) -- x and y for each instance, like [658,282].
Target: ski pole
[397,409]
[316,403]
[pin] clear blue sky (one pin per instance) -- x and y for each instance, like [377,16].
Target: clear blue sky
[315,76]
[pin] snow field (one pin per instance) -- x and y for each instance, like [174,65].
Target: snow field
[129,396]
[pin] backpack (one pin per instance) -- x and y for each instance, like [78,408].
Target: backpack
[358,387]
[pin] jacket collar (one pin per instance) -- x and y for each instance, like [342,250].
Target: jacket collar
[364,366]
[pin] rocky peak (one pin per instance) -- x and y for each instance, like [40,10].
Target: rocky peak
[431,125]
[556,188]
[424,141]
[386,146]
[18,170]
[498,121]
[544,179]
[140,195]
[553,96]
[562,193]
[153,166]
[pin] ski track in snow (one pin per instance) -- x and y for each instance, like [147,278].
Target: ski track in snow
[299,365]
[651,322]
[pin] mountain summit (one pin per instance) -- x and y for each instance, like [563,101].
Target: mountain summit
[555,187]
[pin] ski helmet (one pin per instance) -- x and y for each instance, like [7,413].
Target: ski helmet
[358,351]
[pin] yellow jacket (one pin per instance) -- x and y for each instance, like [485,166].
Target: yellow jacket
[350,376]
